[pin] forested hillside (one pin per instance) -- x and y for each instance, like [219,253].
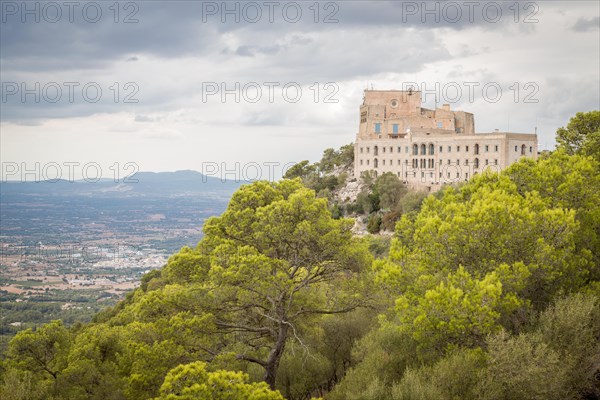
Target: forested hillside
[488,290]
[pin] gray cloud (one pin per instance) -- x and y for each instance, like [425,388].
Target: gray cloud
[173,49]
[144,118]
[587,24]
[183,28]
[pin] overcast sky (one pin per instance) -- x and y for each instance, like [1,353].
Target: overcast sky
[161,68]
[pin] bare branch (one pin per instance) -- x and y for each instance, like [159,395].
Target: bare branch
[339,311]
[234,327]
[251,359]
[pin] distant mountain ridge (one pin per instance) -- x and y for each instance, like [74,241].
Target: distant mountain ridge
[184,182]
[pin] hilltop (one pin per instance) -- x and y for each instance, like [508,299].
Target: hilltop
[375,203]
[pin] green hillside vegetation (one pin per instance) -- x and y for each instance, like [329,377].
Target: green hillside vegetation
[487,290]
[321,176]
[381,201]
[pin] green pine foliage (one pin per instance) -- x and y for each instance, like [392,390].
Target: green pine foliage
[490,290]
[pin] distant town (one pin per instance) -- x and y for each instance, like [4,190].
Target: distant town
[67,251]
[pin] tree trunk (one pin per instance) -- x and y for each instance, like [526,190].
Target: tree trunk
[275,356]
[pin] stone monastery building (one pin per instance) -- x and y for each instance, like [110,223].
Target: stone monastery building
[429,148]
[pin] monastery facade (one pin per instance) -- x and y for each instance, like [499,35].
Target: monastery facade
[428,148]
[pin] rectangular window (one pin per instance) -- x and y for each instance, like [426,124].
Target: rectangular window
[384,149]
[457,162]
[457,148]
[361,162]
[399,162]
[531,149]
[391,149]
[486,161]
[399,149]
[361,149]
[383,161]
[378,127]
[496,162]
[449,149]
[395,128]
[516,148]
[448,162]
[487,147]
[441,148]
[368,148]
[422,174]
[496,148]
[466,148]
[406,149]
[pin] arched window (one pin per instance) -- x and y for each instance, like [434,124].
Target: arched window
[375,150]
[423,149]
[415,149]
[476,148]
[523,150]
[431,149]
[477,163]
[375,163]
